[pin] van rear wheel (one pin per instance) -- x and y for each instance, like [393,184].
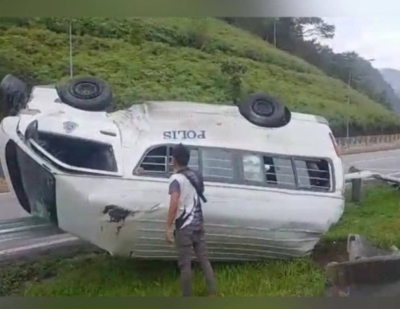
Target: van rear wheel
[265,111]
[86,93]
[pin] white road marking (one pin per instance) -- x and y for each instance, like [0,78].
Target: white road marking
[382,169]
[38,245]
[375,159]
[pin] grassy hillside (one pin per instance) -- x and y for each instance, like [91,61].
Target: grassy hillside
[392,76]
[180,59]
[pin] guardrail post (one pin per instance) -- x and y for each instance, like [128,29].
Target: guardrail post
[356,187]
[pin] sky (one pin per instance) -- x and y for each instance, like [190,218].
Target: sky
[371,37]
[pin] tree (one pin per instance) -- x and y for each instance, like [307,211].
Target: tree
[316,28]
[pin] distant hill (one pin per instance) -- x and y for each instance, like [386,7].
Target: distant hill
[392,77]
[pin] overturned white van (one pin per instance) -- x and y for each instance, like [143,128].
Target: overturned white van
[273,179]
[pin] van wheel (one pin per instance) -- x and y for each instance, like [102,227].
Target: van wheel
[265,111]
[86,93]
[14,95]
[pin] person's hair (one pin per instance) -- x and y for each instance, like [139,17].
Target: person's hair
[181,155]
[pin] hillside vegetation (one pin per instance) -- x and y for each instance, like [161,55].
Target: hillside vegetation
[180,59]
[392,76]
[301,37]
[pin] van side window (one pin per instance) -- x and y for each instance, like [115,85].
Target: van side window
[217,165]
[279,171]
[193,162]
[158,161]
[194,159]
[155,161]
[253,168]
[313,174]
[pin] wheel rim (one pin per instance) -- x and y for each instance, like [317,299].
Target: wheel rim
[263,108]
[86,90]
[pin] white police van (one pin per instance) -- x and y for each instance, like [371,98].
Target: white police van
[273,179]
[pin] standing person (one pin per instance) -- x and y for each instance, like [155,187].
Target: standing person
[186,189]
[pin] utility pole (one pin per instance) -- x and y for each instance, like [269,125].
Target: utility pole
[348,96]
[275,32]
[71,65]
[348,103]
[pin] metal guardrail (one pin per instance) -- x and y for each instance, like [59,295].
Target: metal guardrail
[357,177]
[30,237]
[359,144]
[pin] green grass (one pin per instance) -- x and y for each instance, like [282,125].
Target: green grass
[377,217]
[179,59]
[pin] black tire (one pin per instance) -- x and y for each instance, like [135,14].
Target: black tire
[14,95]
[265,111]
[86,93]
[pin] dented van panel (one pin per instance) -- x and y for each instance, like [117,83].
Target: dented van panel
[130,221]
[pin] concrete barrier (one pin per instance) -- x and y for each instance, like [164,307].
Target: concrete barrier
[369,271]
[360,144]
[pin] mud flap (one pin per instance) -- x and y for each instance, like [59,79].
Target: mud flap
[370,271]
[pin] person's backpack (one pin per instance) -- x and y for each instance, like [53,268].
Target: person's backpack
[196,180]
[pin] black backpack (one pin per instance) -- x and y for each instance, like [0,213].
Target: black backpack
[196,180]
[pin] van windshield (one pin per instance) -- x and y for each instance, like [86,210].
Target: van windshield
[79,153]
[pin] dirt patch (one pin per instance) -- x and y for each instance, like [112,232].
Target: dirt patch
[3,186]
[333,251]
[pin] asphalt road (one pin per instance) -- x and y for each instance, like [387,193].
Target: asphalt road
[383,162]
[10,208]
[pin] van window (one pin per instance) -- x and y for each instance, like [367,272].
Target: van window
[193,162]
[158,161]
[279,171]
[313,174]
[220,165]
[194,159]
[286,172]
[78,152]
[253,168]
[217,165]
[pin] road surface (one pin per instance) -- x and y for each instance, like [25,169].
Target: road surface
[383,162]
[10,208]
